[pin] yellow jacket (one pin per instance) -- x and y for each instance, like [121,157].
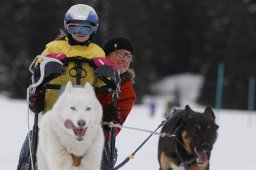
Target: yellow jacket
[62,46]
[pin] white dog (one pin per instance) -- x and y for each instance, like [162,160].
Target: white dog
[71,137]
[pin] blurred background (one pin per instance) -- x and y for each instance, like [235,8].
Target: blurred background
[215,40]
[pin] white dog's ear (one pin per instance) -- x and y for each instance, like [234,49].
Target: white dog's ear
[68,87]
[89,88]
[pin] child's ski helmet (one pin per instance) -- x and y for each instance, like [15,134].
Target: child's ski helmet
[81,12]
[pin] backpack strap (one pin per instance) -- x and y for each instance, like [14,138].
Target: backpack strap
[50,68]
[78,69]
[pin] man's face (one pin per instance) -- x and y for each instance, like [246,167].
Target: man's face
[122,58]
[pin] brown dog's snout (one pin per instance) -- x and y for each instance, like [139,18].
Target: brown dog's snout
[81,123]
[206,146]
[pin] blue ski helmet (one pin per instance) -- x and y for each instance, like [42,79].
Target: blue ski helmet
[81,12]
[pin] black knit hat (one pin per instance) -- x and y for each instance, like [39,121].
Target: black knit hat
[118,43]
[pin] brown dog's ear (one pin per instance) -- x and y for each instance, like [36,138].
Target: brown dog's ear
[188,112]
[209,112]
[187,108]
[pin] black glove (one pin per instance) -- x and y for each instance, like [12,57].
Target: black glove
[37,101]
[111,114]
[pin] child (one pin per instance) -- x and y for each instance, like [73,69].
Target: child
[72,47]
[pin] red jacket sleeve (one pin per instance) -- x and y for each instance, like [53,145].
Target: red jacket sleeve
[126,100]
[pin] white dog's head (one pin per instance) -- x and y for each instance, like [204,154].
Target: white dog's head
[78,110]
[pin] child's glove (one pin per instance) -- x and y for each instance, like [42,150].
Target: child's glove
[37,101]
[100,61]
[106,71]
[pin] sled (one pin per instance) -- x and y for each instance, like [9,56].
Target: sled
[49,69]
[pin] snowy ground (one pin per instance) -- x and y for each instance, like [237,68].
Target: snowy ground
[235,148]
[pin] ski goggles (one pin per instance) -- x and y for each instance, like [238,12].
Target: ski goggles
[81,29]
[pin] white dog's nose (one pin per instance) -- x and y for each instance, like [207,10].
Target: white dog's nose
[81,123]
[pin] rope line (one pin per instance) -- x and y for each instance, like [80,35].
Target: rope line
[131,156]
[116,125]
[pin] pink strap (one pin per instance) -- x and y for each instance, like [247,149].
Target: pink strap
[100,61]
[58,56]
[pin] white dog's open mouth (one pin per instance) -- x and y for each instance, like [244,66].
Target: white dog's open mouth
[78,131]
[202,157]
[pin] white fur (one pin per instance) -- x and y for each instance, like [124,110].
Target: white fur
[56,142]
[175,167]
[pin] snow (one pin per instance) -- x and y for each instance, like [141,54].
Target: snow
[235,148]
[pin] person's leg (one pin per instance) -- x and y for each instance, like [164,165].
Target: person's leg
[24,158]
[107,163]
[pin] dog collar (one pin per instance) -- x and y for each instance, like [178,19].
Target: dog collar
[184,162]
[190,161]
[76,160]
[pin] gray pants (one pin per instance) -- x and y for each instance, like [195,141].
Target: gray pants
[24,159]
[107,163]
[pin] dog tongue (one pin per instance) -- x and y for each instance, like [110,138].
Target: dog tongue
[202,157]
[68,124]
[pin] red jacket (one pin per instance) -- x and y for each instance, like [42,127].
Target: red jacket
[126,100]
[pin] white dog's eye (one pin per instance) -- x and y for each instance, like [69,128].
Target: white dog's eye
[88,108]
[72,108]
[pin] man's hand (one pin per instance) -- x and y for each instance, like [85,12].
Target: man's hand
[111,115]
[37,101]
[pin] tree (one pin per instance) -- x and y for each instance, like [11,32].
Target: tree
[230,40]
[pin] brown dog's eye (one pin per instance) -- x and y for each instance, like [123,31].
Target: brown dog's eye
[195,131]
[211,130]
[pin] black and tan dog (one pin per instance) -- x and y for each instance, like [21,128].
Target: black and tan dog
[189,148]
